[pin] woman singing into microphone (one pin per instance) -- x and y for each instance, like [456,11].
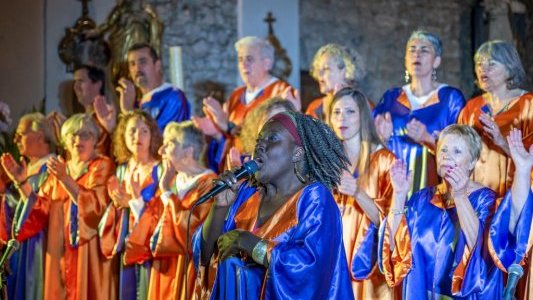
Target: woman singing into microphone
[281,236]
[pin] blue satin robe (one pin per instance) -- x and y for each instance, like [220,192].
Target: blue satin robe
[437,260]
[508,247]
[307,262]
[26,279]
[439,113]
[167,105]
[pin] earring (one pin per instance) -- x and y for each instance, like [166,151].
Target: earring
[298,175]
[406,76]
[434,75]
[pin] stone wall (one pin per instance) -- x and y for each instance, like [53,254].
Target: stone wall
[207,31]
[377,30]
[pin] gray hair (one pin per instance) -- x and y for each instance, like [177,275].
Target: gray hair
[469,134]
[40,123]
[342,57]
[187,135]
[266,49]
[76,123]
[506,54]
[427,36]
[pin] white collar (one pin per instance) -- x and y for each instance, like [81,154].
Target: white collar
[417,101]
[146,97]
[250,96]
[185,182]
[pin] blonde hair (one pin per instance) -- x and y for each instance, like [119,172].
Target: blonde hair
[341,56]
[470,136]
[187,135]
[76,123]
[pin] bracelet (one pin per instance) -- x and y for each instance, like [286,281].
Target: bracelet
[396,212]
[259,252]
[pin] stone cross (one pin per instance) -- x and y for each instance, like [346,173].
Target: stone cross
[269,20]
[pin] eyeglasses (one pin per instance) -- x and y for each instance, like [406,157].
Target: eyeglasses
[82,135]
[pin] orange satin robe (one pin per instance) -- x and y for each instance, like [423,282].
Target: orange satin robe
[355,224]
[237,109]
[168,279]
[70,272]
[131,243]
[494,168]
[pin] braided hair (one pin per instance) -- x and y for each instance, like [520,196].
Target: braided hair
[324,156]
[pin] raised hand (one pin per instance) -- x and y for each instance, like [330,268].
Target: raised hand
[348,185]
[383,124]
[126,90]
[523,160]
[134,187]
[58,168]
[117,193]
[15,171]
[491,129]
[401,179]
[233,159]
[207,126]
[213,110]
[105,113]
[458,179]
[417,131]
[167,178]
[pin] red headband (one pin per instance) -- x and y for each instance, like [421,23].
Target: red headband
[288,123]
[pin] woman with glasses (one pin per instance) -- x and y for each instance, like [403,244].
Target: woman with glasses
[71,204]
[504,105]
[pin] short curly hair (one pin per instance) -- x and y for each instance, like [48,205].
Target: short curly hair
[342,57]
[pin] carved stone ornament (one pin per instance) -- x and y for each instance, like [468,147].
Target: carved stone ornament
[77,48]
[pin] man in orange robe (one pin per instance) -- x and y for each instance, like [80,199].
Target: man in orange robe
[255,60]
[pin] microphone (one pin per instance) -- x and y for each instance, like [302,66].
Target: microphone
[247,169]
[515,272]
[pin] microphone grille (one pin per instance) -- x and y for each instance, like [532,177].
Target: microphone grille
[251,167]
[516,269]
